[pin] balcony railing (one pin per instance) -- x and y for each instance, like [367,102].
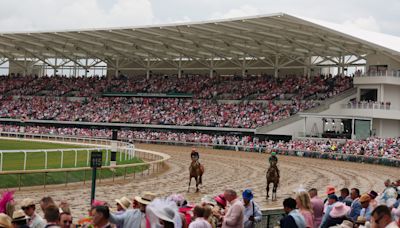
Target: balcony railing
[387,73]
[368,105]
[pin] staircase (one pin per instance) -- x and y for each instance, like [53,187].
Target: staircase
[322,107]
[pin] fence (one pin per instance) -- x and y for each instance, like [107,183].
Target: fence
[154,162]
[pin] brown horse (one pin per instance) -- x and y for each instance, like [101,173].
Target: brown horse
[272,177]
[196,171]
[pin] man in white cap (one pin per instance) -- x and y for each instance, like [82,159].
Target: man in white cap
[35,221]
[134,218]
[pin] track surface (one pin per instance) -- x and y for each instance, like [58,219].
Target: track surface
[225,169]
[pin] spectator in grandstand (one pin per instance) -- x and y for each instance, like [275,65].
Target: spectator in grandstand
[199,221]
[252,212]
[35,221]
[52,216]
[293,218]
[373,203]
[317,205]
[304,205]
[45,202]
[382,218]
[134,217]
[366,210]
[65,220]
[123,204]
[5,221]
[337,215]
[355,205]
[101,216]
[163,213]
[234,217]
[183,208]
[19,219]
[345,196]
[332,200]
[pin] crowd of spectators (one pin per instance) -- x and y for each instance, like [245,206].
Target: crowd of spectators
[305,209]
[79,99]
[370,147]
[164,111]
[200,86]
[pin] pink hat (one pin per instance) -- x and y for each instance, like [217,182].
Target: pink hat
[339,210]
[221,199]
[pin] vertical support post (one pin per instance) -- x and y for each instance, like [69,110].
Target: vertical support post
[86,67]
[25,156]
[180,67]
[76,157]
[88,157]
[212,68]
[148,68]
[276,67]
[105,162]
[93,192]
[45,159]
[244,67]
[62,159]
[116,67]
[55,67]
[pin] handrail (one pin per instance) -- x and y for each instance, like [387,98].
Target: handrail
[164,157]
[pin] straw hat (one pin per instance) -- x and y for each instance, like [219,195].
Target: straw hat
[5,221]
[124,202]
[146,198]
[27,202]
[18,215]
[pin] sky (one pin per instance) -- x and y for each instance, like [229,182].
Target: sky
[45,15]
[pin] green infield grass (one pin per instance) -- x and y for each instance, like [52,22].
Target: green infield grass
[15,161]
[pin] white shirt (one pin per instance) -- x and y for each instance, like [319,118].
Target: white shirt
[36,221]
[200,223]
[392,225]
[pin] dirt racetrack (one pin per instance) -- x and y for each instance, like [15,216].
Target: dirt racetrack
[225,169]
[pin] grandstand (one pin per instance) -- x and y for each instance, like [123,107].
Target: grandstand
[277,65]
[245,84]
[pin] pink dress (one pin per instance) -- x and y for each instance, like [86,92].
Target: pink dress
[308,216]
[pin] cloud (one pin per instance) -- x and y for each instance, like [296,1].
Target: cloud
[73,14]
[367,23]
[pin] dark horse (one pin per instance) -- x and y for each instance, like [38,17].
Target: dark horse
[272,177]
[196,171]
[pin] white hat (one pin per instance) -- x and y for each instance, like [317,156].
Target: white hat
[163,209]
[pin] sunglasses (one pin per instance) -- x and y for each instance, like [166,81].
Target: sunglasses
[67,221]
[25,208]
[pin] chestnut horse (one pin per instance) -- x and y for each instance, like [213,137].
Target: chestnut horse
[196,171]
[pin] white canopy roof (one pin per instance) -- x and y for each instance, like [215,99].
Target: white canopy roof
[260,37]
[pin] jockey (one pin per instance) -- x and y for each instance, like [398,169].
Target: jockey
[273,161]
[195,155]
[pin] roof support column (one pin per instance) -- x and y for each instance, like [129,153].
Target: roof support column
[86,67]
[74,71]
[25,66]
[55,67]
[244,67]
[116,68]
[212,68]
[276,67]
[148,68]
[180,67]
[307,68]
